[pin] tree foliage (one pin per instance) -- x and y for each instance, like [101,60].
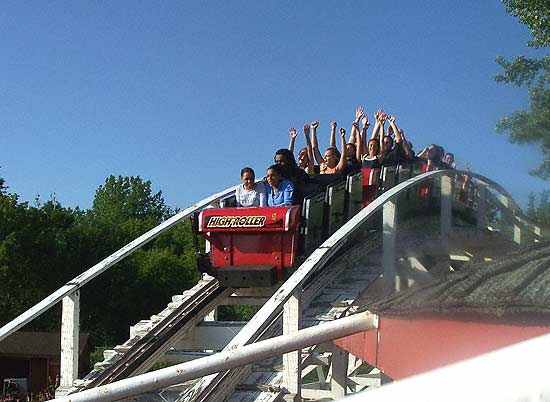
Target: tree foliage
[540,213]
[45,245]
[3,187]
[530,126]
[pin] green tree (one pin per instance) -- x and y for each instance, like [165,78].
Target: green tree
[39,251]
[3,188]
[45,245]
[141,284]
[540,213]
[530,126]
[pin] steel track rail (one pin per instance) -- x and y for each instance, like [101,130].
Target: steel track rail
[159,336]
[274,328]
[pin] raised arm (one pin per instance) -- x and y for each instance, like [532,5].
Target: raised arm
[293,135]
[332,142]
[355,130]
[309,147]
[314,143]
[382,120]
[361,144]
[344,154]
[400,138]
[354,136]
[376,125]
[406,145]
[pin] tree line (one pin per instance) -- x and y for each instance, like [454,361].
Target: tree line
[44,245]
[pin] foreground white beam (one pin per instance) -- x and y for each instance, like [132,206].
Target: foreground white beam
[226,360]
[485,378]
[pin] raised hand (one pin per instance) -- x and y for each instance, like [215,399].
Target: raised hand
[306,129]
[358,113]
[392,119]
[333,125]
[293,133]
[314,124]
[365,121]
[342,132]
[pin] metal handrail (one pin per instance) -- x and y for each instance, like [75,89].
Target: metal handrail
[105,264]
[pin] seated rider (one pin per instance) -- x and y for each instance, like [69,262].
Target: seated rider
[289,168]
[250,194]
[280,191]
[371,159]
[449,159]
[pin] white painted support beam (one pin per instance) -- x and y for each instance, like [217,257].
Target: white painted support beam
[226,360]
[339,373]
[446,210]
[517,234]
[388,237]
[212,316]
[70,322]
[538,236]
[292,361]
[482,208]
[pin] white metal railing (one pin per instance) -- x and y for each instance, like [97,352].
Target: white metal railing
[69,292]
[225,360]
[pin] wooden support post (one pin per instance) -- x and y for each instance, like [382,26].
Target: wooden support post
[212,316]
[509,220]
[481,208]
[389,233]
[339,373]
[69,342]
[446,211]
[538,236]
[517,233]
[292,317]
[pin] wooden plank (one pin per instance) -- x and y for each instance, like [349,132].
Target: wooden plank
[339,373]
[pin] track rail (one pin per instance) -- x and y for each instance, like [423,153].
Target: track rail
[158,337]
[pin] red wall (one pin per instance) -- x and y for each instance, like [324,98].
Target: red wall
[401,348]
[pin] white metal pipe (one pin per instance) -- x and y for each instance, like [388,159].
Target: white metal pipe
[491,377]
[226,360]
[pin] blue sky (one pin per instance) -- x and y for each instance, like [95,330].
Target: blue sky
[187,93]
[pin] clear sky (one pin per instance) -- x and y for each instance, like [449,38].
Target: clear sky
[187,93]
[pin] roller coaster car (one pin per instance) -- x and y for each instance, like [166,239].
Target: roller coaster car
[251,246]
[255,247]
